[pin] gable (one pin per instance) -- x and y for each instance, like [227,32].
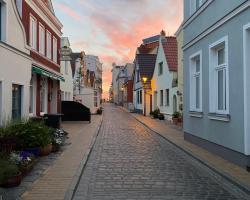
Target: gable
[49,5]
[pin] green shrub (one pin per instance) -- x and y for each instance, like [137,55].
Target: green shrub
[7,169]
[176,115]
[31,134]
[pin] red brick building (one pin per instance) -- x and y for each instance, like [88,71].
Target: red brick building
[43,32]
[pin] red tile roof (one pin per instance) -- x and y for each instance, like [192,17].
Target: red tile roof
[171,52]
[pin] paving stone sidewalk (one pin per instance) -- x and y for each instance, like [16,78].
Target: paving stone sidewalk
[235,173]
[56,180]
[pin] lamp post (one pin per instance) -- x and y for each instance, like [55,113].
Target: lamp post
[144,81]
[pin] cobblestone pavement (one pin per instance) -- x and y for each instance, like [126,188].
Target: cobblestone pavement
[130,162]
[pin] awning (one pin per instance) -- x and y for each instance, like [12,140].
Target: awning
[44,72]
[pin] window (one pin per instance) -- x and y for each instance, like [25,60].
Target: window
[137,76]
[54,49]
[160,69]
[31,107]
[16,101]
[140,96]
[95,99]
[218,79]
[48,45]
[167,97]
[161,98]
[66,67]
[41,39]
[33,33]
[62,96]
[196,82]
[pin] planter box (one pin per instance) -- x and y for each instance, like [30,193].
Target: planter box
[44,151]
[12,181]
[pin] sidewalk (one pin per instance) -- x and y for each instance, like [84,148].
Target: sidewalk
[230,171]
[58,178]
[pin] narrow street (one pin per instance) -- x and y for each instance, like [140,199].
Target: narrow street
[130,162]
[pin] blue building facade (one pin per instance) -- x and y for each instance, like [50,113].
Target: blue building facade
[216,77]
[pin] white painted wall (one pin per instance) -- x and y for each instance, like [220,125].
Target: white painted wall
[163,82]
[87,99]
[15,65]
[67,86]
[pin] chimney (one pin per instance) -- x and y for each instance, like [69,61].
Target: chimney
[163,36]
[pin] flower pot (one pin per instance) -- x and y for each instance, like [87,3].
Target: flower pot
[12,181]
[27,168]
[44,151]
[161,117]
[55,147]
[35,151]
[175,121]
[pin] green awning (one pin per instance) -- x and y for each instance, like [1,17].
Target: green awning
[44,72]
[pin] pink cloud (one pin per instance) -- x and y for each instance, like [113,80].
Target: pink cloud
[71,13]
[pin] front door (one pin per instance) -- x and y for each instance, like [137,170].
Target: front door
[16,101]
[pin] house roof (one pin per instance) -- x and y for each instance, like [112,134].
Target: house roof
[171,52]
[146,64]
[151,39]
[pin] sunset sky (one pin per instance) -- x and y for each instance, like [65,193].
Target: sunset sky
[112,29]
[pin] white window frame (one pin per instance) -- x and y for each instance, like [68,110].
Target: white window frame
[41,39]
[33,32]
[213,76]
[54,49]
[48,47]
[192,84]
[246,72]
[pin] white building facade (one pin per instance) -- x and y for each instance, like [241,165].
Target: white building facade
[15,65]
[66,87]
[164,81]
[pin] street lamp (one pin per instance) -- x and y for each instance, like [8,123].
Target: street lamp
[144,81]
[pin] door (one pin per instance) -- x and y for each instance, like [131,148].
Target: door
[174,103]
[16,102]
[155,100]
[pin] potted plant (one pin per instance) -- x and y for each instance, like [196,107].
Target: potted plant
[99,111]
[156,113]
[161,116]
[10,176]
[175,117]
[27,163]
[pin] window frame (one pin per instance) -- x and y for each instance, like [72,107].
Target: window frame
[193,74]
[161,97]
[41,50]
[33,32]
[54,51]
[214,68]
[167,97]
[160,68]
[48,45]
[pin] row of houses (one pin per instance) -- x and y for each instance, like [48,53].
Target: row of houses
[202,72]
[151,82]
[34,75]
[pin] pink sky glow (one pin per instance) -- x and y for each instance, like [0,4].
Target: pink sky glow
[113,29]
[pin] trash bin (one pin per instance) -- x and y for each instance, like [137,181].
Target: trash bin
[53,120]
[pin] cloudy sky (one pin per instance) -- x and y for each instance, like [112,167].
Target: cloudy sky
[112,29]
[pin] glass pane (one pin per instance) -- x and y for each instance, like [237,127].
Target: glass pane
[198,64]
[220,90]
[221,56]
[197,85]
[31,97]
[16,102]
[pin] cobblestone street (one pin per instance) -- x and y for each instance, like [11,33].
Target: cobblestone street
[130,162]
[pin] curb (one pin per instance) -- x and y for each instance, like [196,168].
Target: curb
[76,179]
[226,176]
